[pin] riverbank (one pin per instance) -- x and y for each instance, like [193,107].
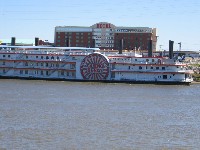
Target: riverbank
[196,77]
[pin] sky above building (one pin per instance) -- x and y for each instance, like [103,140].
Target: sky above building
[176,20]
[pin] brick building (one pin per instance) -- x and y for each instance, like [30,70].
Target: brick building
[105,36]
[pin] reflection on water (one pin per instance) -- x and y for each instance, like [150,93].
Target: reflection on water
[76,115]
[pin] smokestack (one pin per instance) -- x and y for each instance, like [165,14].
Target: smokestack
[171,43]
[150,49]
[68,42]
[93,43]
[36,41]
[121,43]
[13,41]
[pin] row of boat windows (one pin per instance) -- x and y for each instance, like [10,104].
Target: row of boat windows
[41,72]
[47,57]
[147,60]
[4,56]
[157,68]
[72,66]
[159,77]
[41,57]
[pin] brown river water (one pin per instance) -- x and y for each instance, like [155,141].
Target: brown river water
[55,115]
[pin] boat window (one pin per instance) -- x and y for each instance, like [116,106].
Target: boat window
[9,56]
[129,67]
[135,59]
[26,63]
[36,56]
[152,60]
[151,67]
[73,74]
[157,68]
[27,57]
[163,68]
[164,76]
[4,55]
[3,63]
[140,67]
[41,57]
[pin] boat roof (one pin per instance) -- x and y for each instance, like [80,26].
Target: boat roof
[48,47]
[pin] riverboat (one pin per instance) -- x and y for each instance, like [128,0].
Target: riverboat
[89,64]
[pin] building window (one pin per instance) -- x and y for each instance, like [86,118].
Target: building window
[41,72]
[21,71]
[26,71]
[163,68]
[157,68]
[140,67]
[4,63]
[4,55]
[47,73]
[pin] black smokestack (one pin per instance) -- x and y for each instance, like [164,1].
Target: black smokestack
[13,41]
[121,45]
[171,43]
[68,42]
[150,49]
[93,43]
[36,41]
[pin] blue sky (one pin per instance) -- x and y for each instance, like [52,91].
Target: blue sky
[177,20]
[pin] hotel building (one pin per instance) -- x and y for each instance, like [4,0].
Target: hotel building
[105,35]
